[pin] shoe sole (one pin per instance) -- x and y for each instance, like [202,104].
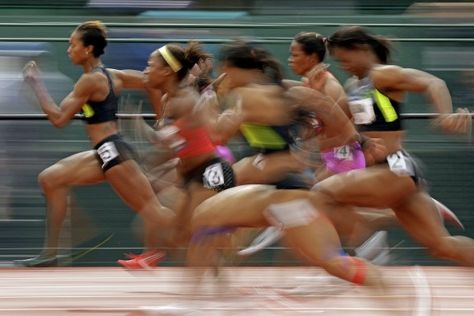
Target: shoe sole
[447,214]
[262,241]
[143,262]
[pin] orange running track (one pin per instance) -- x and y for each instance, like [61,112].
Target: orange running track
[107,291]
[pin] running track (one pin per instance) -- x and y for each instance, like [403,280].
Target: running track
[245,291]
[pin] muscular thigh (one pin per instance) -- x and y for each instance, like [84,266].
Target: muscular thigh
[265,168]
[375,186]
[221,210]
[78,169]
[130,183]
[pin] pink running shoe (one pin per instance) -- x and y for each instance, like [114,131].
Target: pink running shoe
[147,260]
[447,214]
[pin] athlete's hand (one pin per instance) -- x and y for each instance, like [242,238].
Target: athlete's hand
[312,79]
[374,150]
[215,84]
[459,122]
[31,72]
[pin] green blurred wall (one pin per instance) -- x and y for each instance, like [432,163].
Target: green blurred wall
[97,211]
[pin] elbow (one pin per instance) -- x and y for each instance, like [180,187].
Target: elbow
[437,85]
[58,123]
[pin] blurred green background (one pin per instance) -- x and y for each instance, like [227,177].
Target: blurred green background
[438,38]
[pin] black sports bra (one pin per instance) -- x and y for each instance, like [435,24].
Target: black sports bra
[101,111]
[372,110]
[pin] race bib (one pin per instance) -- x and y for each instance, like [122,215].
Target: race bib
[343,152]
[398,164]
[107,152]
[213,176]
[362,111]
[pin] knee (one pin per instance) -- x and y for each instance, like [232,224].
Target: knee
[50,177]
[323,199]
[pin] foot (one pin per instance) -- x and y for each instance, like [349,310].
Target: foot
[447,215]
[373,247]
[269,236]
[147,260]
[38,261]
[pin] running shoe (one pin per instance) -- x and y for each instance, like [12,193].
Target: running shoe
[38,261]
[269,236]
[447,215]
[373,247]
[147,260]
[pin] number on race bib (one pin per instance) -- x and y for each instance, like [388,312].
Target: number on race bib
[362,111]
[107,152]
[343,152]
[213,176]
[397,163]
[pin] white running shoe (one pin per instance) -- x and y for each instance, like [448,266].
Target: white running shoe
[373,247]
[269,236]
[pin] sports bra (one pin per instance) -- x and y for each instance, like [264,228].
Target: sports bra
[268,138]
[195,140]
[371,110]
[95,112]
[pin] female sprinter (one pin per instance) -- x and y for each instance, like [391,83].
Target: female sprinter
[249,70]
[96,94]
[185,129]
[268,122]
[375,94]
[307,52]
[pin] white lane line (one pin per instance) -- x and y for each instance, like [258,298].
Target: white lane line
[230,308]
[423,292]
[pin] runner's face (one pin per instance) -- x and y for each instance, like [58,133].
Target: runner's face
[232,74]
[156,72]
[352,61]
[77,52]
[299,61]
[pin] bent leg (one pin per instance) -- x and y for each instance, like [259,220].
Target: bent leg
[311,234]
[133,187]
[418,215]
[269,168]
[55,181]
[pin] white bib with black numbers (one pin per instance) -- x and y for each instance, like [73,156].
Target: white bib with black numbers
[107,152]
[343,152]
[400,164]
[362,111]
[213,176]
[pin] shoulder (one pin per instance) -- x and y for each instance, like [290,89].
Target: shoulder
[381,72]
[184,96]
[255,90]
[333,87]
[90,80]
[350,83]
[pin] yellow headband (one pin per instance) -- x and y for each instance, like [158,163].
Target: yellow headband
[169,58]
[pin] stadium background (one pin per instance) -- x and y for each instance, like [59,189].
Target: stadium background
[436,39]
